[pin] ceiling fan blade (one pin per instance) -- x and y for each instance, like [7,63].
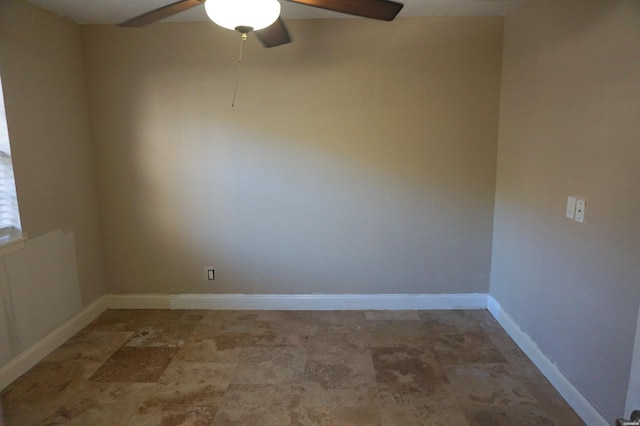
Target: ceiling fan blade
[385,10]
[274,35]
[161,13]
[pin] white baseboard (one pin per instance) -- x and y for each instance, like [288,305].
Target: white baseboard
[574,398]
[298,301]
[30,357]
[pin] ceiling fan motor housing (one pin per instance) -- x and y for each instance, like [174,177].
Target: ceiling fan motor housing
[244,29]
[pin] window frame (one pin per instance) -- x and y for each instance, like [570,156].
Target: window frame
[11,235]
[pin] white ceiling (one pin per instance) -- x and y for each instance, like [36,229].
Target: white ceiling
[115,11]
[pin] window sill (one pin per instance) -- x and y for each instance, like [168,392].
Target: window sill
[12,245]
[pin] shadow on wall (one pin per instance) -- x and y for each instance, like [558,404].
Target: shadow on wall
[357,177]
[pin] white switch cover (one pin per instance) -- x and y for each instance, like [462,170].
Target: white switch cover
[571,207]
[580,209]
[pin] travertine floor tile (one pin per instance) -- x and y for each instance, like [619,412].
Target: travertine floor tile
[454,321]
[489,384]
[393,334]
[356,395]
[281,333]
[173,415]
[337,416]
[339,321]
[283,364]
[214,374]
[166,404]
[39,392]
[142,365]
[340,374]
[400,368]
[484,415]
[471,346]
[338,346]
[229,321]
[206,346]
[95,403]
[406,365]
[90,346]
[268,405]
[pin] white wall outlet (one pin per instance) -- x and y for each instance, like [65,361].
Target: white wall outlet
[580,210]
[571,207]
[209,273]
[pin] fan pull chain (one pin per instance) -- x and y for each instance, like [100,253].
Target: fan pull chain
[235,90]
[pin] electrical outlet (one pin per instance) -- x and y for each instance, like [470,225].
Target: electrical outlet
[209,273]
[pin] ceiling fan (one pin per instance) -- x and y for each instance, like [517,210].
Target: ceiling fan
[263,16]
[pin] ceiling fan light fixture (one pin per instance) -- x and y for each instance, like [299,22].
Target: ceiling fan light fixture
[235,14]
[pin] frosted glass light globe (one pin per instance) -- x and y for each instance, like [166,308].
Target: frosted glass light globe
[257,14]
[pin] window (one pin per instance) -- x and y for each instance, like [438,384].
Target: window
[10,228]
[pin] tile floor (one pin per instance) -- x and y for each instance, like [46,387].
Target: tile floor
[154,367]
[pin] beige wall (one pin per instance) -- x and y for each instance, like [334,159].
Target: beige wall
[358,159]
[569,126]
[61,268]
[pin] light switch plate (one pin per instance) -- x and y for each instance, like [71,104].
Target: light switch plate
[580,210]
[571,207]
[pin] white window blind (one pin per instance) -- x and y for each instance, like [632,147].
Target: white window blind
[9,214]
